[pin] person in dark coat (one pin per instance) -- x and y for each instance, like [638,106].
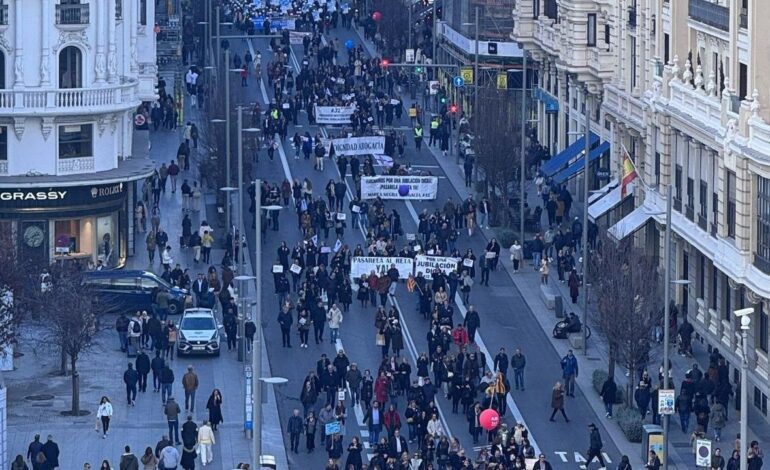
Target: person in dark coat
[188,457]
[143,367]
[51,451]
[214,405]
[354,454]
[608,394]
[34,447]
[189,432]
[295,427]
[574,284]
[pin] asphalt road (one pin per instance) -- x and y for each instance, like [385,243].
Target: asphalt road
[506,320]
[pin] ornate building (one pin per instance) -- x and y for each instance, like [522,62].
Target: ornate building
[72,74]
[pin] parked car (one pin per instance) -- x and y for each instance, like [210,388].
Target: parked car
[198,333]
[129,291]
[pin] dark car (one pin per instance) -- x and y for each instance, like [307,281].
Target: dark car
[129,291]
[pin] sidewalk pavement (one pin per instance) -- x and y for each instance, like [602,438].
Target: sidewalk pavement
[527,281]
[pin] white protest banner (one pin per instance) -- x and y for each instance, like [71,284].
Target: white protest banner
[367,145]
[295,268]
[337,245]
[333,114]
[364,265]
[427,264]
[296,37]
[399,187]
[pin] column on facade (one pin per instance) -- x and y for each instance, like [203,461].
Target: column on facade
[112,59]
[18,53]
[743,205]
[553,118]
[561,117]
[100,65]
[45,56]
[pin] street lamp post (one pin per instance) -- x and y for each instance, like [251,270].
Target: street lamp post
[476,80]
[666,318]
[745,315]
[522,145]
[584,238]
[257,354]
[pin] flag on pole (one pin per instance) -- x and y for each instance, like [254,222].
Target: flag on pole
[629,172]
[410,284]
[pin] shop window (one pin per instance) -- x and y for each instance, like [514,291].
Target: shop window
[67,239]
[76,141]
[3,143]
[105,229]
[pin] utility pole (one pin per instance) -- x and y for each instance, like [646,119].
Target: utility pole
[522,146]
[218,58]
[237,242]
[409,7]
[584,240]
[433,58]
[256,365]
[227,133]
[666,318]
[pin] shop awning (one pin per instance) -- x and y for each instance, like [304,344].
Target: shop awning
[599,193]
[631,223]
[605,204]
[560,160]
[577,166]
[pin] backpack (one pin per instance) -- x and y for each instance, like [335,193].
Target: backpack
[135,327]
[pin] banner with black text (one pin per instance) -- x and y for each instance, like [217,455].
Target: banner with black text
[399,187]
[364,265]
[333,114]
[428,264]
[368,145]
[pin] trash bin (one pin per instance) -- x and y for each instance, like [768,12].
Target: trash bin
[652,439]
[558,306]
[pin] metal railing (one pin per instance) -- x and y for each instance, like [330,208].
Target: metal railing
[712,14]
[73,14]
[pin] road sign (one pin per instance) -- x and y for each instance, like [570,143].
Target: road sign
[703,453]
[458,81]
[433,86]
[410,55]
[666,402]
[502,81]
[467,74]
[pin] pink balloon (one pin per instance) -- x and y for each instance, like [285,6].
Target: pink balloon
[489,419]
[376,16]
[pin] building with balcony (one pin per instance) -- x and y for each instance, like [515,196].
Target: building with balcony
[696,117]
[572,46]
[72,75]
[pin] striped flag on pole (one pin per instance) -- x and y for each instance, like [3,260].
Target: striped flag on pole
[410,284]
[629,172]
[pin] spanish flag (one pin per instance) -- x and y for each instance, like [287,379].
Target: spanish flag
[629,172]
[410,284]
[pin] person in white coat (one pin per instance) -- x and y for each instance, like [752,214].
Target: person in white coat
[206,442]
[516,255]
[334,317]
[104,414]
[434,428]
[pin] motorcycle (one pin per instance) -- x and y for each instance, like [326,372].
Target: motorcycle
[571,324]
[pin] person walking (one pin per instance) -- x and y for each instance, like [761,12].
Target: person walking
[594,448]
[557,402]
[517,254]
[189,432]
[608,394]
[149,460]
[518,362]
[188,458]
[334,317]
[206,442]
[128,460]
[166,382]
[569,369]
[190,385]
[294,428]
[169,458]
[214,405]
[143,367]
[311,425]
[718,418]
[104,414]
[285,319]
[131,379]
[172,410]
[157,365]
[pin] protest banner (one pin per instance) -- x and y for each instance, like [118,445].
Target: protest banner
[333,114]
[399,187]
[427,264]
[364,265]
[367,145]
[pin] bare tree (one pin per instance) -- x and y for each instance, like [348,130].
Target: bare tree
[16,281]
[626,285]
[70,315]
[497,145]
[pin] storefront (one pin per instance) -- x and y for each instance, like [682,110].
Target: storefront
[78,224]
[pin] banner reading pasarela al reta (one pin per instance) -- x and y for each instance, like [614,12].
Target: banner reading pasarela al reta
[368,145]
[399,187]
[428,264]
[364,265]
[333,114]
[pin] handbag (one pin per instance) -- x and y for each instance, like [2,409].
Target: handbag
[379,339]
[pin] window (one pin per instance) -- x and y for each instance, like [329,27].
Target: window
[728,294]
[714,286]
[535,9]
[591,30]
[70,68]
[552,9]
[666,47]
[701,276]
[3,143]
[118,9]
[76,141]
[743,81]
[762,328]
[731,198]
[678,182]
[657,168]
[143,12]
[685,287]
[704,191]
[762,251]
[607,31]
[690,193]
[760,401]
[632,53]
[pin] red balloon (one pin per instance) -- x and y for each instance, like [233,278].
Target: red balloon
[376,16]
[489,419]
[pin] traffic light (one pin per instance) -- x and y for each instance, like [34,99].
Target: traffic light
[418,70]
[453,108]
[384,63]
[443,99]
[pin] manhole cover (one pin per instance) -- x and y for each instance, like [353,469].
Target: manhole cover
[41,397]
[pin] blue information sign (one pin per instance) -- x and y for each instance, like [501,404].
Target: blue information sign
[458,81]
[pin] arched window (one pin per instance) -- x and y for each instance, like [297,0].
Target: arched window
[70,68]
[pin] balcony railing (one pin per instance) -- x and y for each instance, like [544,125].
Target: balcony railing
[3,15]
[72,15]
[68,100]
[712,14]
